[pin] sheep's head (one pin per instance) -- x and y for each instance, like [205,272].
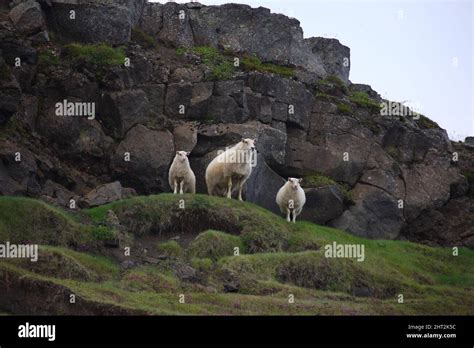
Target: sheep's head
[182,156]
[295,183]
[248,144]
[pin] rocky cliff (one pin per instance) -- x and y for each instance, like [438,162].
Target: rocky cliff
[166,77]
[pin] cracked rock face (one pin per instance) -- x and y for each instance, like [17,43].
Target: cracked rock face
[384,177]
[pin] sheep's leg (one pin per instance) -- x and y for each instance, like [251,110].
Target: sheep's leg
[241,185]
[175,187]
[288,212]
[229,187]
[181,186]
[294,217]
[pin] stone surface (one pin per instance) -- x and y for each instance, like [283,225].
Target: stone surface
[27,17]
[323,204]
[93,23]
[335,57]
[151,153]
[119,111]
[104,194]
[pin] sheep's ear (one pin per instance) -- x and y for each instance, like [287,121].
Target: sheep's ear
[177,152]
[255,140]
[300,180]
[289,179]
[242,140]
[188,153]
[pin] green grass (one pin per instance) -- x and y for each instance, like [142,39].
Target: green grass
[222,67]
[344,109]
[425,123]
[215,245]
[363,100]
[253,63]
[142,38]
[328,98]
[100,54]
[276,259]
[47,58]
[170,249]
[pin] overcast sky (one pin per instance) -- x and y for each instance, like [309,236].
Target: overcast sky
[416,51]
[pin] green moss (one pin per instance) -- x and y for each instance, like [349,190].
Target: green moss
[47,58]
[363,100]
[99,54]
[253,63]
[170,249]
[425,123]
[344,109]
[215,245]
[142,38]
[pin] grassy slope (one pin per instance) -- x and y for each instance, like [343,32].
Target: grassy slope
[277,259]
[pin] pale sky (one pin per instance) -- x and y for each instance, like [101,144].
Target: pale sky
[417,51]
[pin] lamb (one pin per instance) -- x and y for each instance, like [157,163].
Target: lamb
[181,174]
[291,198]
[231,169]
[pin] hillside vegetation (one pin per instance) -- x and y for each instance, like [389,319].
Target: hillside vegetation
[192,252]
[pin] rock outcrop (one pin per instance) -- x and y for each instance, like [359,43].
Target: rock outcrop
[377,175]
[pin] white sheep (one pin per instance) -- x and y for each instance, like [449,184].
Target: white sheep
[181,174]
[231,169]
[291,198]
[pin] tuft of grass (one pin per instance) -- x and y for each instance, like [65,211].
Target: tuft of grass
[181,51]
[99,54]
[103,232]
[215,245]
[363,100]
[426,123]
[317,180]
[47,58]
[170,249]
[222,67]
[253,63]
[344,109]
[142,38]
[328,98]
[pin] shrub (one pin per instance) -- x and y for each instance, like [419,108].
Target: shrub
[99,54]
[363,100]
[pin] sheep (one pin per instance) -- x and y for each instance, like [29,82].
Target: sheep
[181,174]
[291,198]
[231,169]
